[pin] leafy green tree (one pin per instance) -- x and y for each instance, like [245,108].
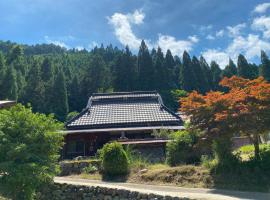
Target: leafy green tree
[145,69]
[180,149]
[9,84]
[265,66]
[29,151]
[59,103]
[230,70]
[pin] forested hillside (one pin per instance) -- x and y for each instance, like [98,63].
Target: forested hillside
[56,80]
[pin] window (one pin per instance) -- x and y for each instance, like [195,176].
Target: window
[75,147]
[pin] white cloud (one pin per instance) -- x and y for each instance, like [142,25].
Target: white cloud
[177,47]
[261,8]
[235,30]
[79,48]
[92,45]
[193,38]
[262,24]
[56,42]
[222,58]
[220,33]
[250,46]
[137,17]
[210,37]
[122,27]
[122,24]
[205,28]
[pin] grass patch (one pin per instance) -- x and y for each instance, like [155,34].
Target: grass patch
[94,176]
[184,176]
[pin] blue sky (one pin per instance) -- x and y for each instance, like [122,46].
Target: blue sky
[214,28]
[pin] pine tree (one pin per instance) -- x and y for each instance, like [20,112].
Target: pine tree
[254,71]
[170,66]
[46,70]
[74,98]
[200,77]
[160,79]
[230,70]
[96,77]
[14,54]
[178,66]
[2,73]
[207,73]
[125,71]
[265,66]
[243,68]
[60,99]
[9,84]
[15,57]
[216,75]
[145,69]
[34,89]
[187,76]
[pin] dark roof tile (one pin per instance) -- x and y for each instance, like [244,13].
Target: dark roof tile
[124,110]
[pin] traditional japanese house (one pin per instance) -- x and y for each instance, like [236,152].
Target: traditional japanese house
[129,117]
[6,104]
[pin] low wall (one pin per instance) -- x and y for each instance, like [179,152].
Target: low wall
[76,166]
[76,192]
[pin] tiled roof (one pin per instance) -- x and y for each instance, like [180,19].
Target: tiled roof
[6,104]
[128,109]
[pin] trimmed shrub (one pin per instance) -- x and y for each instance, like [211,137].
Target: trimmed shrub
[180,149]
[114,159]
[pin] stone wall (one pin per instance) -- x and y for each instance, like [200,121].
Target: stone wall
[152,153]
[76,192]
[76,166]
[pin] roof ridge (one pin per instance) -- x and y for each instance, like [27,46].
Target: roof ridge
[124,93]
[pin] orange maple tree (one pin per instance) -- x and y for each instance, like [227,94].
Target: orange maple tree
[244,108]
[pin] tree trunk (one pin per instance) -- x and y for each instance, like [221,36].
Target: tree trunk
[256,147]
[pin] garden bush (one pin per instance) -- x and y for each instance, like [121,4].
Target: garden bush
[29,151]
[114,159]
[180,149]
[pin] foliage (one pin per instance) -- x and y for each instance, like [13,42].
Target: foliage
[162,133]
[90,169]
[137,162]
[114,159]
[29,151]
[71,115]
[180,148]
[33,74]
[221,114]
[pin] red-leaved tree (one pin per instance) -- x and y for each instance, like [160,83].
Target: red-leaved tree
[244,109]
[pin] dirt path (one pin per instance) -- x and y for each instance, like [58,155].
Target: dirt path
[193,193]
